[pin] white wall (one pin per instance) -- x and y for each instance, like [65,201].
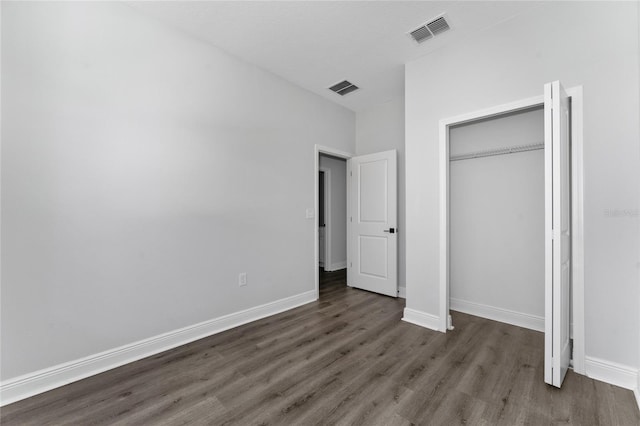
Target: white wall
[512,61]
[338,203]
[381,128]
[141,172]
[497,218]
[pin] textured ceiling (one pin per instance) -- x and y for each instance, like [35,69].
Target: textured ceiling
[315,44]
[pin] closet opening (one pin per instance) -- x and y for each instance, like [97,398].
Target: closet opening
[497,218]
[511,191]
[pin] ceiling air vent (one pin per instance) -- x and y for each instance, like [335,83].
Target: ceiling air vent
[430,29]
[421,34]
[343,88]
[438,26]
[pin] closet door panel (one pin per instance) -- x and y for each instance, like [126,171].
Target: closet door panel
[558,235]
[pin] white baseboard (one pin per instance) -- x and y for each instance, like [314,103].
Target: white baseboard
[43,380]
[402,292]
[336,266]
[636,392]
[422,319]
[612,373]
[519,319]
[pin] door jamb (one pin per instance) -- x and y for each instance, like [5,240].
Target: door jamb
[577,213]
[321,149]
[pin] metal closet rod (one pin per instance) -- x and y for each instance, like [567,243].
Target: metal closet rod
[498,151]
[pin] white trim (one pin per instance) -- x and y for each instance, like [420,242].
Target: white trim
[636,392]
[532,322]
[577,179]
[317,150]
[31,384]
[444,225]
[336,266]
[612,373]
[422,319]
[577,229]
[494,111]
[402,292]
[349,262]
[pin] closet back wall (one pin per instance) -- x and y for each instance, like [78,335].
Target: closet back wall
[497,219]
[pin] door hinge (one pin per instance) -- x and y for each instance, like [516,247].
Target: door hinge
[351,219]
[350,264]
[351,174]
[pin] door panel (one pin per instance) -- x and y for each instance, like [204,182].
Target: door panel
[558,239]
[373,256]
[373,191]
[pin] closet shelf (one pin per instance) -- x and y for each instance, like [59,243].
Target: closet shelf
[497,151]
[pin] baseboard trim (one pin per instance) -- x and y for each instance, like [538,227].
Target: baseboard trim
[44,380]
[519,319]
[402,292]
[636,392]
[612,373]
[422,319]
[336,266]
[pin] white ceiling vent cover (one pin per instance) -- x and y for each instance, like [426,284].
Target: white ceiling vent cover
[430,29]
[438,26]
[343,87]
[421,34]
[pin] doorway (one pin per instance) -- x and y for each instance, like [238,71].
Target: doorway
[370,223]
[496,212]
[572,132]
[332,213]
[332,163]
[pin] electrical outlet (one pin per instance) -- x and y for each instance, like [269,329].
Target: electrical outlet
[242,279]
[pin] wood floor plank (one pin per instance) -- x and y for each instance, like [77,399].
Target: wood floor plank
[347,359]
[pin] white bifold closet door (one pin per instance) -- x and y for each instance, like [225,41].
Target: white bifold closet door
[373,246]
[558,236]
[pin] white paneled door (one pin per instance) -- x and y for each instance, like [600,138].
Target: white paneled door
[373,240]
[558,234]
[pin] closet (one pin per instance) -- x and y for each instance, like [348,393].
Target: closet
[497,218]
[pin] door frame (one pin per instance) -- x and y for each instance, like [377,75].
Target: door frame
[327,215]
[317,150]
[577,213]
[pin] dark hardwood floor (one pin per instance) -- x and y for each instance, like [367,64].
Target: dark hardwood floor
[346,359]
